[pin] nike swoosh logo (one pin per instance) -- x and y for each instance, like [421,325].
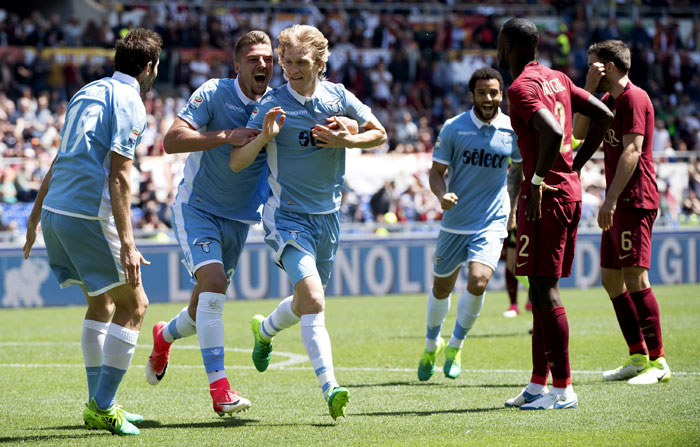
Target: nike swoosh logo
[625,256]
[521,264]
[162,373]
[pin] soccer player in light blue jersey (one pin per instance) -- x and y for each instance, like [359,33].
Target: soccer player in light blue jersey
[214,208]
[306,159]
[474,148]
[84,207]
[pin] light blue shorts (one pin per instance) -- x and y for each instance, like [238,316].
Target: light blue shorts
[206,239]
[83,251]
[314,235]
[454,250]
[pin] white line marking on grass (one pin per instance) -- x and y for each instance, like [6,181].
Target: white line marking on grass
[292,359]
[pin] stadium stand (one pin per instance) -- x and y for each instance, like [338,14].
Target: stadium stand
[411,62]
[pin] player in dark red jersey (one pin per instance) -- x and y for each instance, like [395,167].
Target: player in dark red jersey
[628,212]
[541,103]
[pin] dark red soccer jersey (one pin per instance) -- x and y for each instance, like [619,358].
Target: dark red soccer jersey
[633,114]
[539,87]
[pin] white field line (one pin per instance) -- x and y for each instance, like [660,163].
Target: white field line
[292,359]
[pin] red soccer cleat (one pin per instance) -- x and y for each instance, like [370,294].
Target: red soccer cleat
[157,362]
[226,400]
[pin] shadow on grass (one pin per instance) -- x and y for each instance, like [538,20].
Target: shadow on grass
[493,335]
[432,384]
[223,422]
[42,438]
[428,412]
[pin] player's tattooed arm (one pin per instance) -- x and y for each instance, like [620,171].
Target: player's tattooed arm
[515,176]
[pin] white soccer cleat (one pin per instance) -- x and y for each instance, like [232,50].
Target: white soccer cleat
[512,311]
[553,401]
[524,398]
[635,364]
[655,372]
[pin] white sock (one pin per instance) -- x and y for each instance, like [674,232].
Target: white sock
[281,318]
[435,316]
[91,341]
[210,331]
[119,346]
[568,392]
[181,326]
[318,345]
[534,388]
[468,309]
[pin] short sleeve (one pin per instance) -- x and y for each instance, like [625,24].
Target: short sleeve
[515,150]
[525,100]
[579,96]
[355,109]
[442,152]
[199,108]
[129,122]
[633,109]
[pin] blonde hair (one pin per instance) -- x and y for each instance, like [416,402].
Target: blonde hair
[308,37]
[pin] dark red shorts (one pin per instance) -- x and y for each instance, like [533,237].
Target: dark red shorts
[628,242]
[546,246]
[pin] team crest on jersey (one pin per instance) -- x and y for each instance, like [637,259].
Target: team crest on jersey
[255,113]
[196,102]
[334,104]
[204,245]
[134,135]
[507,138]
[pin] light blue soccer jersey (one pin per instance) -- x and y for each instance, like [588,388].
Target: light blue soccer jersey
[209,183]
[305,178]
[104,116]
[476,154]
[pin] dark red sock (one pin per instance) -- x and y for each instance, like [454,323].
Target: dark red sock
[512,287]
[648,311]
[540,367]
[628,320]
[555,331]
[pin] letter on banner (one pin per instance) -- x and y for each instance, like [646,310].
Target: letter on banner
[376,254]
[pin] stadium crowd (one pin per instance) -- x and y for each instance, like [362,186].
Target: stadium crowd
[413,70]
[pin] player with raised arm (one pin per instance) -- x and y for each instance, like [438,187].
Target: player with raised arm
[474,147]
[85,217]
[214,209]
[307,171]
[628,212]
[541,103]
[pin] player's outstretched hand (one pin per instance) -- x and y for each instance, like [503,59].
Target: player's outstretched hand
[448,200]
[605,214]
[132,259]
[271,126]
[595,73]
[534,204]
[241,136]
[31,237]
[325,136]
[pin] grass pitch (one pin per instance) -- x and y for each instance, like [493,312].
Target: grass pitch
[377,342]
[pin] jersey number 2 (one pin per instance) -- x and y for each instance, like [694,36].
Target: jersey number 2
[560,115]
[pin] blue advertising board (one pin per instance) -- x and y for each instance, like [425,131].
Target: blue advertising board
[363,266]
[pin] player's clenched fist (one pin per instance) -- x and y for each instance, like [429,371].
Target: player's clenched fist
[448,200]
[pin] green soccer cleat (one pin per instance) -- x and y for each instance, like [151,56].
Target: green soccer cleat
[633,366]
[338,398]
[453,362]
[112,420]
[262,350]
[655,372]
[426,367]
[134,418]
